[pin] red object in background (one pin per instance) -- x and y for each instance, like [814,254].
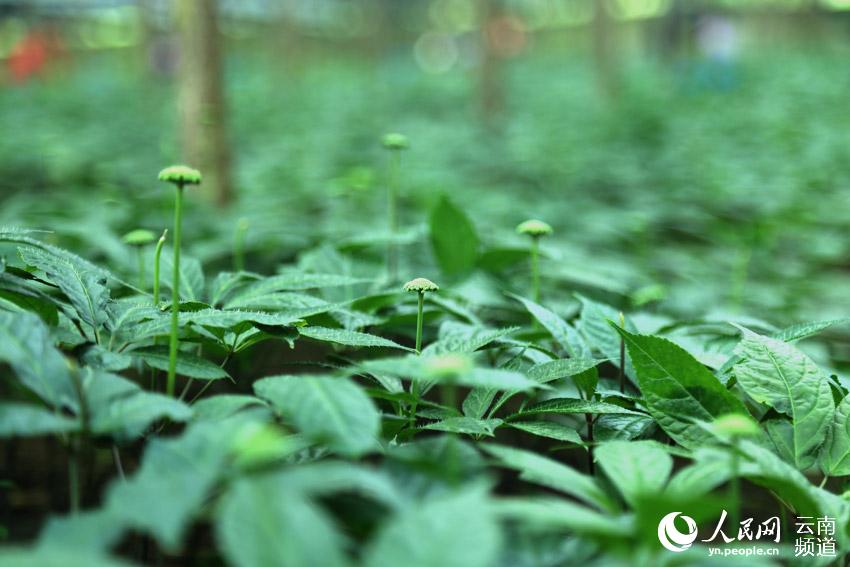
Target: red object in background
[31,54]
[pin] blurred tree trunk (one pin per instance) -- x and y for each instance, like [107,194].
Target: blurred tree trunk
[202,107]
[604,49]
[491,97]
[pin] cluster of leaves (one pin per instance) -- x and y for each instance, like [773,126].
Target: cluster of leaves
[376,455]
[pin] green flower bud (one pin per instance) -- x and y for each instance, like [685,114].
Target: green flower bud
[534,227]
[736,425]
[395,142]
[420,285]
[138,237]
[180,175]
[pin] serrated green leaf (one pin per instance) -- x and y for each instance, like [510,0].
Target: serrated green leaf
[565,335]
[188,364]
[677,389]
[594,325]
[552,370]
[467,425]
[131,415]
[459,338]
[573,406]
[835,454]
[348,338]
[453,239]
[548,429]
[85,289]
[552,474]
[776,373]
[327,409]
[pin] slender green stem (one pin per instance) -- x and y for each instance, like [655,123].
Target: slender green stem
[591,467]
[735,484]
[622,369]
[116,456]
[175,293]
[239,245]
[156,257]
[392,213]
[419,323]
[140,258]
[823,482]
[535,272]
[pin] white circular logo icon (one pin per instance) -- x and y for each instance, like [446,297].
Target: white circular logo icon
[673,539]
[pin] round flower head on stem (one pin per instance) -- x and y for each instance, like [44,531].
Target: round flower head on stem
[420,286]
[179,175]
[736,425]
[138,237]
[395,141]
[535,229]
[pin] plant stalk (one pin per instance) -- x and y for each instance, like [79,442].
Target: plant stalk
[156,257]
[535,272]
[392,214]
[175,293]
[419,323]
[239,246]
[622,372]
[140,259]
[591,467]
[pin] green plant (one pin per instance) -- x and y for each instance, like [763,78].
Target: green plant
[735,427]
[179,176]
[534,229]
[394,143]
[156,263]
[138,239]
[420,286]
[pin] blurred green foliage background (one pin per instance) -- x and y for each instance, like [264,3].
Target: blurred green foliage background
[693,158]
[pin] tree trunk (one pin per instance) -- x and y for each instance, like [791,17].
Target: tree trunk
[604,49]
[202,108]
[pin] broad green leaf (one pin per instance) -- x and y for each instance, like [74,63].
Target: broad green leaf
[573,406]
[131,415]
[552,474]
[430,370]
[459,338]
[50,556]
[453,239]
[835,455]
[802,331]
[294,281]
[677,389]
[25,345]
[548,429]
[776,373]
[41,305]
[326,477]
[191,275]
[348,338]
[85,289]
[562,515]
[594,325]
[89,531]
[188,364]
[215,318]
[331,410]
[638,469]
[180,471]
[467,425]
[612,427]
[566,336]
[262,521]
[447,530]
[24,420]
[222,406]
[546,372]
